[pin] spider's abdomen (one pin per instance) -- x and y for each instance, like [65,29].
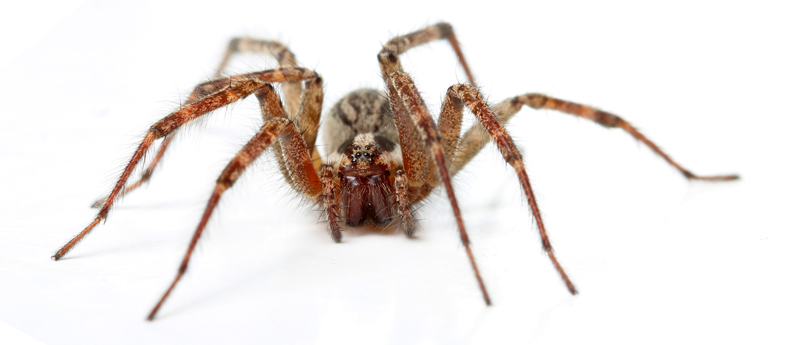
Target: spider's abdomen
[359,112]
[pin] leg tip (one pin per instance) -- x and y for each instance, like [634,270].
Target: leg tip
[56,257]
[717,178]
[336,232]
[569,285]
[729,177]
[408,230]
[151,316]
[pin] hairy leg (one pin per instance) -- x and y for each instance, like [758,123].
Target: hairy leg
[292,92]
[277,128]
[295,162]
[451,117]
[330,202]
[417,165]
[237,88]
[145,176]
[405,98]
[417,161]
[462,95]
[275,49]
[403,204]
[390,62]
[309,113]
[303,108]
[268,134]
[476,137]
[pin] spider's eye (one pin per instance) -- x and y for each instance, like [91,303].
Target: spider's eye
[367,147]
[366,154]
[356,147]
[359,154]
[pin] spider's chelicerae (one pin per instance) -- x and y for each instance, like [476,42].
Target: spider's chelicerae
[387,152]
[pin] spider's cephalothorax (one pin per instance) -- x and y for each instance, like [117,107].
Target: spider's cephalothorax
[387,150]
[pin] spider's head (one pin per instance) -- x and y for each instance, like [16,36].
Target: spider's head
[365,172]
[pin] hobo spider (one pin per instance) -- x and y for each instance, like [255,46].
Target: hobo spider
[387,152]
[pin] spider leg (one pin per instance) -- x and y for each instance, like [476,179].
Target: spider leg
[285,57]
[405,99]
[273,129]
[390,62]
[403,204]
[417,165]
[450,119]
[476,138]
[330,203]
[304,110]
[309,116]
[238,87]
[292,93]
[202,90]
[420,178]
[305,113]
[277,128]
[462,94]
[293,156]
[145,176]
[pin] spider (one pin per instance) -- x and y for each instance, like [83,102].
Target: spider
[387,152]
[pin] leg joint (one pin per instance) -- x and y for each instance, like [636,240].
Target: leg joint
[606,119]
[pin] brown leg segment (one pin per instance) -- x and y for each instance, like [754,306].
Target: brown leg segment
[416,157]
[450,120]
[296,162]
[266,136]
[237,88]
[285,57]
[388,57]
[330,203]
[417,167]
[303,108]
[404,97]
[307,118]
[145,176]
[476,138]
[403,204]
[462,94]
[539,101]
[275,49]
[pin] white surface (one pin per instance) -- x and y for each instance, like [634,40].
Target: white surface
[657,259]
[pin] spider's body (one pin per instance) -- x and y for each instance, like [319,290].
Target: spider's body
[366,156]
[386,153]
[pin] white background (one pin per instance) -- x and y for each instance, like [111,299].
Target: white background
[657,259]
